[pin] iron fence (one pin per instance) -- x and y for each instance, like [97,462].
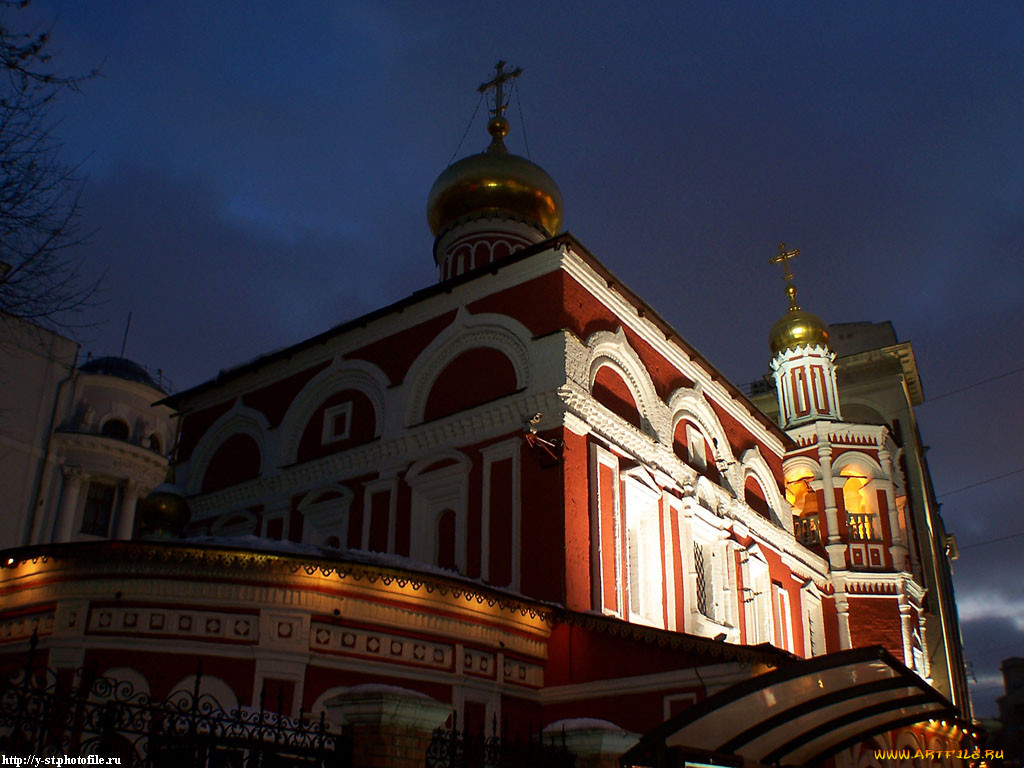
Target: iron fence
[81,713]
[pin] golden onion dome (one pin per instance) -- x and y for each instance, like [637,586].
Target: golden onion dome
[797,328]
[165,511]
[495,183]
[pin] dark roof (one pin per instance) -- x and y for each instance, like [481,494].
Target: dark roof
[564,239]
[121,368]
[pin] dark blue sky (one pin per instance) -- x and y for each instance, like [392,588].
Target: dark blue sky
[258,172]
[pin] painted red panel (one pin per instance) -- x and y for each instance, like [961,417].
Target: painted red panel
[194,426]
[235,461]
[612,392]
[476,376]
[677,573]
[363,423]
[608,480]
[801,398]
[500,554]
[578,596]
[876,621]
[397,352]
[753,495]
[274,399]
[446,540]
[277,695]
[380,513]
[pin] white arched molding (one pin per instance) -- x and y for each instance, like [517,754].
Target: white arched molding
[239,420]
[466,332]
[612,350]
[793,465]
[754,465]
[433,492]
[323,518]
[841,461]
[339,375]
[690,404]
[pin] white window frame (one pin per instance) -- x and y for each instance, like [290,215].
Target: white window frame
[696,448]
[323,519]
[330,434]
[757,597]
[508,449]
[644,559]
[433,493]
[601,457]
[814,621]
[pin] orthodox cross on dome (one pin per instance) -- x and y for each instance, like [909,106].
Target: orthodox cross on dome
[783,257]
[498,125]
[501,76]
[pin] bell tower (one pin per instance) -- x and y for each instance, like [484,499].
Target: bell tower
[802,361]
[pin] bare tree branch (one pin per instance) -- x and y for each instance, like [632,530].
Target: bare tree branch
[41,275]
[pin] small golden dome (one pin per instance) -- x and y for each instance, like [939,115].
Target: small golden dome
[495,183]
[797,328]
[165,511]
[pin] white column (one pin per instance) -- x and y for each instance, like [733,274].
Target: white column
[907,625]
[843,612]
[63,529]
[898,550]
[126,513]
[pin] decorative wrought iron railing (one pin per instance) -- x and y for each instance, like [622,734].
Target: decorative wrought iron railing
[451,748]
[80,713]
[806,531]
[861,527]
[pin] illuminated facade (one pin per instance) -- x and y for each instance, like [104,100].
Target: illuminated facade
[518,492]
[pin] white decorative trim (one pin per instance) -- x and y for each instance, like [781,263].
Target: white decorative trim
[239,420]
[323,519]
[433,492]
[340,375]
[466,332]
[613,350]
[754,465]
[507,449]
[601,457]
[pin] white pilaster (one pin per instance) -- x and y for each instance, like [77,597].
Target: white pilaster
[63,530]
[126,512]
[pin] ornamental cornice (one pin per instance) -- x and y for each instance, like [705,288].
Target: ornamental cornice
[629,315]
[181,578]
[882,584]
[467,427]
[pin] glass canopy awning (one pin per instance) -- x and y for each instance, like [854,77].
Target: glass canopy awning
[796,715]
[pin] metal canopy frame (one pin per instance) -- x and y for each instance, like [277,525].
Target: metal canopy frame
[798,714]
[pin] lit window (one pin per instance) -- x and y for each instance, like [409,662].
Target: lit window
[99,505]
[860,500]
[337,423]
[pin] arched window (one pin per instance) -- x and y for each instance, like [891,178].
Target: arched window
[154,443]
[446,540]
[754,496]
[611,391]
[804,501]
[115,428]
[475,377]
[235,461]
[861,502]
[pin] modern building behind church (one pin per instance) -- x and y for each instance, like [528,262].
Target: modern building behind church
[521,493]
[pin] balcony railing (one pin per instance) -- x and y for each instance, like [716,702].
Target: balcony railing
[806,531]
[861,527]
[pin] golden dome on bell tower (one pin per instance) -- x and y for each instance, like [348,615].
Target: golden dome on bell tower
[495,185]
[796,328]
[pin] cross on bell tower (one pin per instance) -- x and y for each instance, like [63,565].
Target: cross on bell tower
[783,258]
[498,126]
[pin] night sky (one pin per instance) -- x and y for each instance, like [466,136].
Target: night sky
[258,172]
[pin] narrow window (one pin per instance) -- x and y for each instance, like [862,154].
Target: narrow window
[99,504]
[704,603]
